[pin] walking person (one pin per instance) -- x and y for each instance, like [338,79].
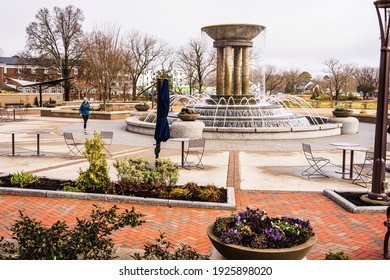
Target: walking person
[84,112]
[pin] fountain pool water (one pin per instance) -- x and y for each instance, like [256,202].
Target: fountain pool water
[277,110]
[261,116]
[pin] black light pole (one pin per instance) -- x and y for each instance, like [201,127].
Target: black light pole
[378,177]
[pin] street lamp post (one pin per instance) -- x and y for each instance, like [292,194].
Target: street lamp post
[378,177]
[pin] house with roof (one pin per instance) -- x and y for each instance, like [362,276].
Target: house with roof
[307,88]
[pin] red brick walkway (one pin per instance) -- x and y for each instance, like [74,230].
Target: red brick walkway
[358,235]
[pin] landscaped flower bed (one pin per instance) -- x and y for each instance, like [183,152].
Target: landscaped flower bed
[183,192]
[255,229]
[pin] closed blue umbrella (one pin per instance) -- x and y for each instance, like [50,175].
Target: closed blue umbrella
[162,133]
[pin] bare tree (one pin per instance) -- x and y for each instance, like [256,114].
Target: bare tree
[367,79]
[291,80]
[197,62]
[273,79]
[339,74]
[103,59]
[57,37]
[144,53]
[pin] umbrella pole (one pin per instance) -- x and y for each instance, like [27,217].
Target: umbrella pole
[157,150]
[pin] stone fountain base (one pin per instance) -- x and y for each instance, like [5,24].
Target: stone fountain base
[134,124]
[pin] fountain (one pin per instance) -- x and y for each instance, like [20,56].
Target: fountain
[233,112]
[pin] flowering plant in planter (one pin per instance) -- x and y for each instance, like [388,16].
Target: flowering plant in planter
[142,106]
[185,110]
[143,103]
[255,229]
[341,111]
[187,114]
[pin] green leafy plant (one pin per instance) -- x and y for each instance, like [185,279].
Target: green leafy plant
[51,101]
[88,239]
[179,193]
[340,107]
[23,179]
[36,103]
[131,173]
[161,251]
[210,193]
[336,256]
[185,110]
[255,229]
[136,174]
[68,188]
[193,187]
[96,177]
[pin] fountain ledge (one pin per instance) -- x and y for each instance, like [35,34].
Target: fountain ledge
[133,124]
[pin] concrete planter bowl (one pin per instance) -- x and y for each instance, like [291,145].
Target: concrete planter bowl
[237,252]
[342,113]
[187,117]
[141,107]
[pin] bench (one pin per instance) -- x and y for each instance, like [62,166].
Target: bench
[16,108]
[14,105]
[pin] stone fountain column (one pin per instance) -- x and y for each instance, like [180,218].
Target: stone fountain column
[233,68]
[237,71]
[220,71]
[228,70]
[245,71]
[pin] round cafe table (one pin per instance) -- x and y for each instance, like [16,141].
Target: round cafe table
[343,144]
[12,141]
[182,140]
[352,149]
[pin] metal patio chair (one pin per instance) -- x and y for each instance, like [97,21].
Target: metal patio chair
[316,163]
[75,147]
[195,147]
[364,170]
[107,138]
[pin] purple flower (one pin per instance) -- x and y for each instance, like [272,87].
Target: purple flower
[254,228]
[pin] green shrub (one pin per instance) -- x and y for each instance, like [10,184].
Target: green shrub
[36,103]
[88,239]
[168,172]
[161,251]
[193,187]
[336,256]
[68,188]
[96,177]
[131,173]
[179,193]
[136,174]
[210,193]
[23,179]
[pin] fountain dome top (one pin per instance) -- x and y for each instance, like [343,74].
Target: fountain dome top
[233,32]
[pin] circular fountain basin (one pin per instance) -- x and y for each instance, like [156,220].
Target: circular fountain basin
[249,118]
[137,124]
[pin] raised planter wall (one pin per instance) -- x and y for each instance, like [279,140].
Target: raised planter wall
[368,118]
[117,115]
[28,98]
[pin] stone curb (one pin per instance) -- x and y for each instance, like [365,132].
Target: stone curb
[352,207]
[230,205]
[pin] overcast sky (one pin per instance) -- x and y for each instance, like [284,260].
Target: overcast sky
[300,34]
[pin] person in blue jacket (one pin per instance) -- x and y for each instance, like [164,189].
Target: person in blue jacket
[84,112]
